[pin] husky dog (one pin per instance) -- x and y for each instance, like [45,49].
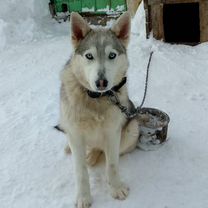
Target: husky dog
[91,122]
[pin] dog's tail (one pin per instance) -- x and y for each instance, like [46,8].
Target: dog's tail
[57,127]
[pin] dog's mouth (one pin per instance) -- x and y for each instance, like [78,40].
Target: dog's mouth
[102,89]
[98,90]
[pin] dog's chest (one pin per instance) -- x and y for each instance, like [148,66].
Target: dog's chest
[95,138]
[96,132]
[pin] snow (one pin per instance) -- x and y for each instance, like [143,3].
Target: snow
[120,8]
[36,173]
[2,35]
[21,20]
[107,9]
[86,9]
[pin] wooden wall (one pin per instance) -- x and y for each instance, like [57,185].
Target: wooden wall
[204,20]
[154,17]
[133,6]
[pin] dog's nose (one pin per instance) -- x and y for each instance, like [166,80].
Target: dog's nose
[101,84]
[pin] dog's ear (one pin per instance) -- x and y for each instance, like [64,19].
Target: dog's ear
[122,28]
[79,28]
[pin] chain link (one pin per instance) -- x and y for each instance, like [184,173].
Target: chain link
[115,100]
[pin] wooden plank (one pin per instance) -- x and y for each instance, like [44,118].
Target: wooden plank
[145,4]
[180,1]
[132,6]
[147,18]
[152,2]
[204,21]
[148,22]
[157,21]
[161,24]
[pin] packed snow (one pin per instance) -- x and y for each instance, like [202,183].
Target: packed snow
[34,170]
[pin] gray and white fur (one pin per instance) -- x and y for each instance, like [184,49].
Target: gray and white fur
[91,125]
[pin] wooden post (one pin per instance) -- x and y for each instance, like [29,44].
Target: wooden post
[147,9]
[157,21]
[203,20]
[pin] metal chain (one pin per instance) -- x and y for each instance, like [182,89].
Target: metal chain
[146,82]
[115,100]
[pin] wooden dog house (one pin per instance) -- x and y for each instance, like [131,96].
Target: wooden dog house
[177,21]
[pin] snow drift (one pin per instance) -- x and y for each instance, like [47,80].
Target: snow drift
[18,20]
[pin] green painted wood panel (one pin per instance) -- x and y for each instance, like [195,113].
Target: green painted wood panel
[88,5]
[118,5]
[103,5]
[75,5]
[97,6]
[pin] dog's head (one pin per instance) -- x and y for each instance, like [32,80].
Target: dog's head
[100,54]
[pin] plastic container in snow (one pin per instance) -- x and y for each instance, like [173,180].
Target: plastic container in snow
[154,127]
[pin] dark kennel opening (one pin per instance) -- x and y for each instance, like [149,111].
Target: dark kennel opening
[181,23]
[64,7]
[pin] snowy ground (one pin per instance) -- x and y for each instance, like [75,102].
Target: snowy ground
[35,172]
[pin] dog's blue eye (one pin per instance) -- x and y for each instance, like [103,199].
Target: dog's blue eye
[89,56]
[112,55]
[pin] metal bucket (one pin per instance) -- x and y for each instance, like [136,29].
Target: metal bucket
[153,125]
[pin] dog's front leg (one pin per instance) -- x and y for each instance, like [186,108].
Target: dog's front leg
[78,149]
[117,188]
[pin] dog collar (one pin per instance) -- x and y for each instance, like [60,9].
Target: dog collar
[116,88]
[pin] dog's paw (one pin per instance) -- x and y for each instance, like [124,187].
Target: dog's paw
[83,202]
[121,192]
[93,156]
